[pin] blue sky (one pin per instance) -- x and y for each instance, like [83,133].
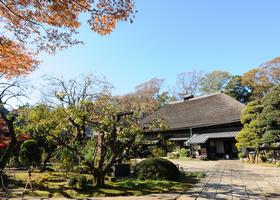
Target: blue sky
[173,36]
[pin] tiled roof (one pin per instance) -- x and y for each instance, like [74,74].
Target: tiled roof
[202,138]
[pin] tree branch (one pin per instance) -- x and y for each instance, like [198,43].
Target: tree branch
[23,18]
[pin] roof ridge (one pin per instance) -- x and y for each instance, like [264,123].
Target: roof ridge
[195,98]
[205,96]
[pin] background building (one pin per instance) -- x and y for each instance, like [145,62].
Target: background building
[206,124]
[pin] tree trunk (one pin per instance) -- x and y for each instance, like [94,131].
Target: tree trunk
[10,124]
[274,156]
[45,161]
[248,156]
[256,156]
[99,172]
[6,156]
[99,178]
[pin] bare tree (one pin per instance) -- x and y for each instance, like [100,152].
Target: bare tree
[72,92]
[272,70]
[150,88]
[70,96]
[188,83]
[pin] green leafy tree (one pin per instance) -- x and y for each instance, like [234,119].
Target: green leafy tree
[69,121]
[116,126]
[237,90]
[41,122]
[164,98]
[116,129]
[66,158]
[214,81]
[98,129]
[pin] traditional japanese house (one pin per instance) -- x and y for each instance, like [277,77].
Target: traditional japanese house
[206,124]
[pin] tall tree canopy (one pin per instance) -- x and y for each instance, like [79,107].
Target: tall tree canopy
[272,69]
[41,122]
[31,26]
[261,121]
[250,135]
[188,83]
[258,82]
[150,88]
[270,115]
[116,128]
[237,90]
[214,81]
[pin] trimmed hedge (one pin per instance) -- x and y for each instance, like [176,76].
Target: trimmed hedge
[156,169]
[30,153]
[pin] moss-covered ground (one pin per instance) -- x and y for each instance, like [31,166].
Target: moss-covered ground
[55,184]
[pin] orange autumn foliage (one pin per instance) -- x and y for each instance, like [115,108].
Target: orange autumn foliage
[49,26]
[5,140]
[14,59]
[260,80]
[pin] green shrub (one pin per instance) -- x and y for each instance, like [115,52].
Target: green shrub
[30,153]
[82,169]
[158,152]
[156,169]
[14,162]
[173,155]
[184,153]
[67,160]
[72,182]
[82,182]
[278,164]
[241,155]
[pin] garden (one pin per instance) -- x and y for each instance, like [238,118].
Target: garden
[152,175]
[73,147]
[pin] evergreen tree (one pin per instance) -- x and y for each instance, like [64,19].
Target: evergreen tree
[237,90]
[251,133]
[270,115]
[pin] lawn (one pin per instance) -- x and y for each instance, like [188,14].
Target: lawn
[55,184]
